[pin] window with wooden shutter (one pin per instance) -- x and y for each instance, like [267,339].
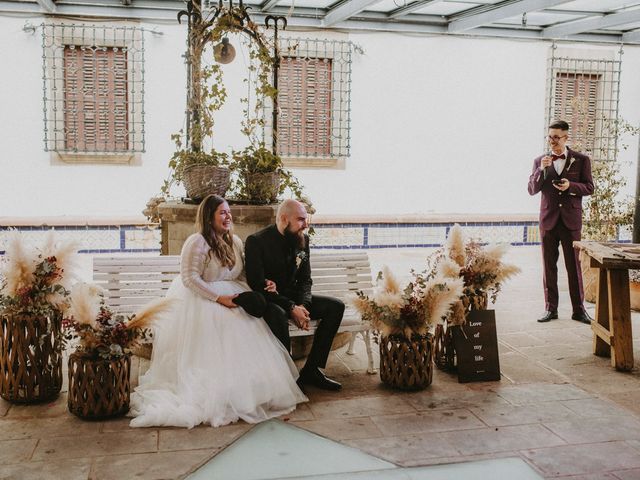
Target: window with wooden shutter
[576,99]
[584,93]
[314,90]
[93,92]
[304,101]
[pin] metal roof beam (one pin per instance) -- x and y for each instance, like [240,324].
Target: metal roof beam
[47,5]
[631,37]
[591,23]
[486,15]
[268,5]
[345,10]
[412,7]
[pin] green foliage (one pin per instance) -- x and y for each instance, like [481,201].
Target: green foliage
[604,210]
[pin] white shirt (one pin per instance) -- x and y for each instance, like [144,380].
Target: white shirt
[559,163]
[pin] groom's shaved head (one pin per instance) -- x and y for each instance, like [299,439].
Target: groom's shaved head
[288,208]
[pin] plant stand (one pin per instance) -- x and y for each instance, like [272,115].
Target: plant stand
[99,388]
[30,358]
[406,364]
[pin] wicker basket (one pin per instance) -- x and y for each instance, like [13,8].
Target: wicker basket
[262,187]
[30,358]
[444,348]
[444,352]
[99,388]
[203,180]
[406,364]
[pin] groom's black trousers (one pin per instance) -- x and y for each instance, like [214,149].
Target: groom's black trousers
[327,310]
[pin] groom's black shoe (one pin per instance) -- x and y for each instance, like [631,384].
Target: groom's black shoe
[315,377]
[548,315]
[583,317]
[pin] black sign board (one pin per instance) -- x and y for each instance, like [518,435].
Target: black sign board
[476,344]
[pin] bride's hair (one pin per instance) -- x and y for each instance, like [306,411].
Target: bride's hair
[221,246]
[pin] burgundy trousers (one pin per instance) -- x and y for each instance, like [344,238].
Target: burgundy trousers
[551,239]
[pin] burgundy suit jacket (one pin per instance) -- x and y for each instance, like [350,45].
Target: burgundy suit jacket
[567,205]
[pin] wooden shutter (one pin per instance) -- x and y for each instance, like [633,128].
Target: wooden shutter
[304,101]
[576,97]
[95,99]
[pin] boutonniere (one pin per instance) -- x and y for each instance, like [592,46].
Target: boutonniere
[571,160]
[300,257]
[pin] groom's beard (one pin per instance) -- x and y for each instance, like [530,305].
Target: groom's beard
[295,239]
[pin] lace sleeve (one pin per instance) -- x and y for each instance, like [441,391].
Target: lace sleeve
[192,265]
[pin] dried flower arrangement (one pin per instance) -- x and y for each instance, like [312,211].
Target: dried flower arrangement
[102,333]
[411,311]
[480,267]
[36,281]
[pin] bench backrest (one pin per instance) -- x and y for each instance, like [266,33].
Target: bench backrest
[131,282]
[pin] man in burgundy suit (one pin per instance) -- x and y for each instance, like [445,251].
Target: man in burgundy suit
[564,177]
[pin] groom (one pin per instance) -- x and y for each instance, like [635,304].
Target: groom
[280,253]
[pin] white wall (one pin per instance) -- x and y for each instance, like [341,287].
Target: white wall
[438,125]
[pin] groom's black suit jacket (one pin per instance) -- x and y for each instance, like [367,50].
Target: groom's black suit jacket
[268,255]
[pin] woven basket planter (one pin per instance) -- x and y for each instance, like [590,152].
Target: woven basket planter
[444,348]
[203,180]
[99,388]
[262,187]
[406,364]
[444,352]
[30,358]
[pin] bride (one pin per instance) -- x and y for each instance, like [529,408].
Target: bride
[212,361]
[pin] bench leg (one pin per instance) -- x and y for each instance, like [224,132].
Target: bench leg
[367,341]
[352,342]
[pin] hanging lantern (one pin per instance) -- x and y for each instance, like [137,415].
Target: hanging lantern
[224,52]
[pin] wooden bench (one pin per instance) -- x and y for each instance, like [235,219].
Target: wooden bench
[132,281]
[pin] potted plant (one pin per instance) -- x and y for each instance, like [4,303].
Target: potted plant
[100,366]
[605,211]
[201,173]
[32,298]
[482,270]
[402,320]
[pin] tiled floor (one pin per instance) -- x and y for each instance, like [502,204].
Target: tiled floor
[560,409]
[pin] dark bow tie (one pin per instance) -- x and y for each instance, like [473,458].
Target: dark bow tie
[556,157]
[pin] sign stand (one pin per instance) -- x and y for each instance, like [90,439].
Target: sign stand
[476,344]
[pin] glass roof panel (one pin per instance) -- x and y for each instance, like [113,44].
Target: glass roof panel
[446,8]
[541,19]
[594,5]
[306,3]
[387,5]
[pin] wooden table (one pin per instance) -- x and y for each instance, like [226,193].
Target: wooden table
[612,326]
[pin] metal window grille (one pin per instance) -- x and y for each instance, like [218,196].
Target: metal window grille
[314,99]
[93,81]
[585,93]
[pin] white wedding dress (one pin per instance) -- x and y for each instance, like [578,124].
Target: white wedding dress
[212,364]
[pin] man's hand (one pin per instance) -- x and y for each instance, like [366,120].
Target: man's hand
[270,286]
[300,317]
[227,301]
[546,162]
[562,186]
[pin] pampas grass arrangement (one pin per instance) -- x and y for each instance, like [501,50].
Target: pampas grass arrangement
[410,311]
[102,333]
[35,281]
[481,268]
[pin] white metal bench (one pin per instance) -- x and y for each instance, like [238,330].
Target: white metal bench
[132,281]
